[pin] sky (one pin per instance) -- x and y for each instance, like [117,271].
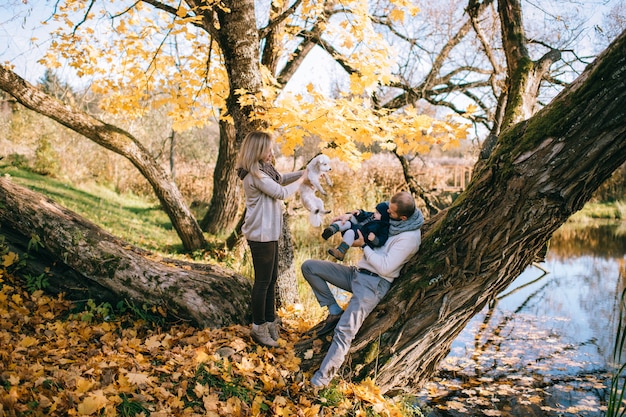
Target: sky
[20,24]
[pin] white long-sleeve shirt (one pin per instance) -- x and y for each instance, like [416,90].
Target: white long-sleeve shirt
[388,260]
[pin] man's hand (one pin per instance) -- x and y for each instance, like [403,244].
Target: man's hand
[360,241]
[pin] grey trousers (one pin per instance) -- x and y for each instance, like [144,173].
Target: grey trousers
[367,291]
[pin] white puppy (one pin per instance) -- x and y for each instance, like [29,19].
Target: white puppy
[317,168]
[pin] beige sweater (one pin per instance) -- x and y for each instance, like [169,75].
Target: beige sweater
[264,205]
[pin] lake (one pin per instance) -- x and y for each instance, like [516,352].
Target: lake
[545,346]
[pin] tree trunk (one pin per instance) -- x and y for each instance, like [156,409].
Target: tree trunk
[523,74]
[116,140]
[236,33]
[540,172]
[226,197]
[287,283]
[239,41]
[83,261]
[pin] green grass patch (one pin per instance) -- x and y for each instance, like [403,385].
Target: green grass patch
[615,210]
[134,219]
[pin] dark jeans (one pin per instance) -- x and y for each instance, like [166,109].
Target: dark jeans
[265,262]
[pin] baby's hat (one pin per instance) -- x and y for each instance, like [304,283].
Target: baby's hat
[383,208]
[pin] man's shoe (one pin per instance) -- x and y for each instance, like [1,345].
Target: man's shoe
[329,324]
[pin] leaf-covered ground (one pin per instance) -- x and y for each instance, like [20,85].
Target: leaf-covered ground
[58,361]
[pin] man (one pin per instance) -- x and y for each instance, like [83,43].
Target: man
[368,282]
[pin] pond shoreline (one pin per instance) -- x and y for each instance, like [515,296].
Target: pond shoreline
[544,346]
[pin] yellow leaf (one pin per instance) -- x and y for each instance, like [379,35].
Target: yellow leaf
[238,344]
[313,411]
[17,299]
[181,12]
[246,366]
[93,403]
[138,378]
[200,390]
[83,385]
[396,15]
[202,357]
[211,404]
[28,342]
[9,259]
[153,342]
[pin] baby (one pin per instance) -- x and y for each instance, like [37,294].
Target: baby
[374,227]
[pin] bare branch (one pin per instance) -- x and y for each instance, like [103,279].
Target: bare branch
[125,10]
[483,41]
[263,32]
[173,11]
[91,3]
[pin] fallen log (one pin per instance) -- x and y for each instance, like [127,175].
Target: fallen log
[83,261]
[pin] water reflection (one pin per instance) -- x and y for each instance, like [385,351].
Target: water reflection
[544,346]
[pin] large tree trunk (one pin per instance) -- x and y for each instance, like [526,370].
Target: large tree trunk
[83,261]
[226,197]
[287,283]
[239,41]
[118,141]
[540,172]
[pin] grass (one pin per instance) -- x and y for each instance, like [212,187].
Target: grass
[616,406]
[615,210]
[135,219]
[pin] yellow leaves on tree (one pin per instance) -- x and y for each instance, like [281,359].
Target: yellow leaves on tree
[146,58]
[342,125]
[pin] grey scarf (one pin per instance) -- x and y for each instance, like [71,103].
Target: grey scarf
[412,223]
[264,167]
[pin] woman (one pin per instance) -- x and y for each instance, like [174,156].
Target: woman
[264,188]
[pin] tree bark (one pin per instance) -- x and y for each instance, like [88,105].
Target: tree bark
[116,140]
[540,172]
[287,283]
[523,74]
[226,197]
[83,261]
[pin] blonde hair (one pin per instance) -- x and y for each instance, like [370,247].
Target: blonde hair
[255,146]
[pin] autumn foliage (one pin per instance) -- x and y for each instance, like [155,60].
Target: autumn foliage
[59,360]
[145,59]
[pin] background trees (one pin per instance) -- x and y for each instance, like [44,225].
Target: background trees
[187,62]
